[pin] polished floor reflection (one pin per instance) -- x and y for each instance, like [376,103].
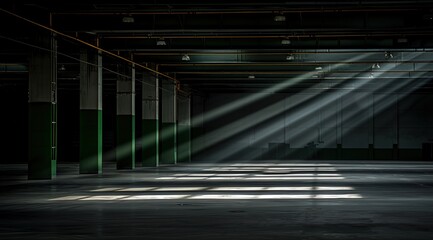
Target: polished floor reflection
[248,200]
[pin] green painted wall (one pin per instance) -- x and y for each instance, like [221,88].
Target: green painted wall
[150,142]
[183,143]
[41,162]
[168,143]
[125,142]
[91,141]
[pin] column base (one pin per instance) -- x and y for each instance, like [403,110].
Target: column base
[41,162]
[90,141]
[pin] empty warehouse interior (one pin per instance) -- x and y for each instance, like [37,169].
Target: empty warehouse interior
[216,119]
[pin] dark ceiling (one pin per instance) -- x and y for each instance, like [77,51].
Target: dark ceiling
[241,45]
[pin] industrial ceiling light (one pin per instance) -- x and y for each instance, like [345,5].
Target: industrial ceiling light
[375,66]
[251,76]
[280,18]
[62,68]
[428,17]
[319,68]
[388,55]
[402,40]
[128,19]
[290,57]
[286,42]
[161,42]
[185,57]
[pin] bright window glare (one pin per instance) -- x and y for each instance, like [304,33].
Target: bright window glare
[226,178]
[295,178]
[252,164]
[237,189]
[239,170]
[193,178]
[68,198]
[180,189]
[332,188]
[194,174]
[337,196]
[210,175]
[270,169]
[111,189]
[208,196]
[277,196]
[251,178]
[103,198]
[231,174]
[154,197]
[280,188]
[289,188]
[302,169]
[281,164]
[181,174]
[285,196]
[266,174]
[298,175]
[136,189]
[226,196]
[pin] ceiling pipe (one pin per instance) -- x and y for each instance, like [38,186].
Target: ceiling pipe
[282,79]
[247,11]
[296,72]
[286,32]
[13,64]
[237,5]
[14,71]
[345,35]
[176,52]
[289,64]
[88,44]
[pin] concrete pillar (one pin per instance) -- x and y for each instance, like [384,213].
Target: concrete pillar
[150,124]
[183,129]
[168,123]
[43,109]
[125,144]
[90,112]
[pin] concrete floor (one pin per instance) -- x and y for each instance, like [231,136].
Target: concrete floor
[249,200]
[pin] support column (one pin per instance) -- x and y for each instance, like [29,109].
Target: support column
[125,144]
[90,112]
[43,109]
[183,129]
[150,125]
[168,123]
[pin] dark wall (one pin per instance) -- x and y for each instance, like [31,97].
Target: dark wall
[68,123]
[329,125]
[13,123]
